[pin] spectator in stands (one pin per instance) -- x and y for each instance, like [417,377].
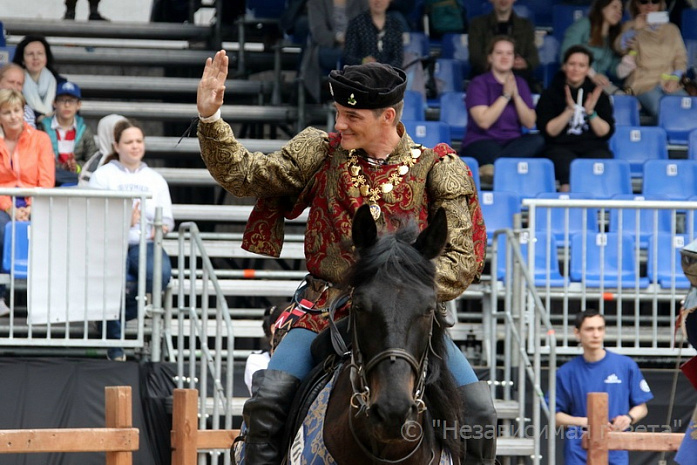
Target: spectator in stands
[41,79]
[26,161]
[499,105]
[374,36]
[504,21]
[260,360]
[661,58]
[73,141]
[445,17]
[574,115]
[105,143]
[12,77]
[328,22]
[598,370]
[370,148]
[598,33]
[94,10]
[124,169]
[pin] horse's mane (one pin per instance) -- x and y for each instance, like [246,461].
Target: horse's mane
[394,261]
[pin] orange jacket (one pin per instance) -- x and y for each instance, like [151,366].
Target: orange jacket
[33,163]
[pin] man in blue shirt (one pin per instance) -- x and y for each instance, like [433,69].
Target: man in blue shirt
[598,370]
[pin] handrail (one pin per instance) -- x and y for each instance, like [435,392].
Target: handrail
[518,280]
[192,250]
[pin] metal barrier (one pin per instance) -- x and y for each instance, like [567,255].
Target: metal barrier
[641,308]
[523,313]
[78,240]
[206,361]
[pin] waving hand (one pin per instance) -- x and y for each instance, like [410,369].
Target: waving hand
[211,88]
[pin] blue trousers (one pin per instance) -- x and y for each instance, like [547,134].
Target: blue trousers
[486,152]
[113,327]
[293,356]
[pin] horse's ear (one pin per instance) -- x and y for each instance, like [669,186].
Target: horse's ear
[432,239]
[364,231]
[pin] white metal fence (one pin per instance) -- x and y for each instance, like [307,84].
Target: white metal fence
[76,270]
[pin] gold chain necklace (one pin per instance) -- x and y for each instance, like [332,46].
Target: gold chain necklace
[373,194]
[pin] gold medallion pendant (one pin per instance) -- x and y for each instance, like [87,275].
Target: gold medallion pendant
[373,194]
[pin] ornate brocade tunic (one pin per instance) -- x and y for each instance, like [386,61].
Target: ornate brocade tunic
[312,170]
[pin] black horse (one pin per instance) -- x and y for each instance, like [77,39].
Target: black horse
[386,397]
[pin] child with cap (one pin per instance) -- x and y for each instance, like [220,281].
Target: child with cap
[73,142]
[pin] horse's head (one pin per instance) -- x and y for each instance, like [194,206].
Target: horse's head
[393,305]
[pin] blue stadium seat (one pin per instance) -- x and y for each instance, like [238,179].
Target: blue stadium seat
[453,112]
[267,8]
[643,224]
[663,264]
[625,110]
[548,52]
[416,42]
[564,16]
[456,47]
[692,145]
[448,77]
[428,133]
[525,176]
[546,265]
[564,222]
[540,9]
[691,46]
[6,54]
[499,209]
[678,116]
[474,167]
[2,35]
[689,20]
[414,106]
[600,178]
[674,179]
[21,249]
[636,144]
[604,264]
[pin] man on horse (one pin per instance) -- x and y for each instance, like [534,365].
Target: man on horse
[371,160]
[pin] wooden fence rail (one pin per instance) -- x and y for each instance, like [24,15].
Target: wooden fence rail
[118,439]
[599,439]
[186,438]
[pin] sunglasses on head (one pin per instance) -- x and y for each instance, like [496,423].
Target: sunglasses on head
[646,2]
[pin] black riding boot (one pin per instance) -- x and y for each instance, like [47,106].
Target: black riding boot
[265,415]
[479,412]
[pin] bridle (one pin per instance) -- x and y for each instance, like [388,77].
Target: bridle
[359,370]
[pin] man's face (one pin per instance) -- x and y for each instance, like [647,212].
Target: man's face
[592,333]
[13,79]
[502,6]
[359,128]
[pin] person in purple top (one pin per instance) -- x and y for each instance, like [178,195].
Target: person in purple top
[499,104]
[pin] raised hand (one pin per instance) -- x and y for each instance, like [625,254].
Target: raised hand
[510,86]
[592,100]
[211,88]
[569,100]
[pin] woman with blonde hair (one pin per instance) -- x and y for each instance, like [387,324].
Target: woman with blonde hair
[661,58]
[26,160]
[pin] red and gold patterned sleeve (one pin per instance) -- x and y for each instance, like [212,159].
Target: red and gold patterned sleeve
[255,174]
[451,186]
